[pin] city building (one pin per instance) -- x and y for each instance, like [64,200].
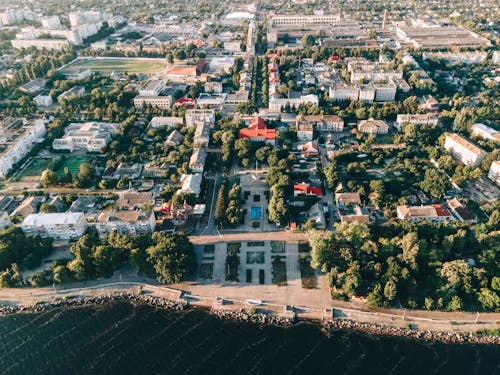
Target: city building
[308,150]
[133,200]
[89,136]
[213,87]
[17,140]
[190,184]
[372,126]
[305,131]
[75,90]
[485,132]
[463,150]
[128,222]
[75,73]
[196,116]
[174,138]
[494,172]
[157,122]
[322,123]
[457,57]
[257,131]
[385,92]
[34,86]
[416,119]
[59,226]
[353,214]
[347,199]
[161,102]
[153,87]
[197,160]
[435,213]
[42,100]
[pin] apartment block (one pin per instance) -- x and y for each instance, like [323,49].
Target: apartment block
[60,226]
[463,150]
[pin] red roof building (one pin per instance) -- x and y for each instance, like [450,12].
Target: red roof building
[186,102]
[304,189]
[257,131]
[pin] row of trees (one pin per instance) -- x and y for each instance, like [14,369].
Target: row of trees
[170,256]
[84,179]
[228,209]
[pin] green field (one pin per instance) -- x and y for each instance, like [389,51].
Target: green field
[73,165]
[128,65]
[35,168]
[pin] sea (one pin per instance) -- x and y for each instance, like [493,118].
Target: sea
[124,338]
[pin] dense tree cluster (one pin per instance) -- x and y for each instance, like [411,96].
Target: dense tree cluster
[418,265]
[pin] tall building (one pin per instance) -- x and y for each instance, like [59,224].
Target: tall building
[463,150]
[494,172]
[125,222]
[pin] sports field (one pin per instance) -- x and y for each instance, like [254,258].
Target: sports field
[73,165]
[119,65]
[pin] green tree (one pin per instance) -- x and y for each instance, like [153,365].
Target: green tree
[172,256]
[435,183]
[49,178]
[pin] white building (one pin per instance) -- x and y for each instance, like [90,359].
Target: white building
[61,226]
[305,131]
[153,87]
[16,143]
[157,122]
[495,58]
[42,100]
[232,46]
[197,160]
[4,220]
[385,92]
[195,116]
[341,92]
[89,136]
[128,222]
[190,184]
[57,44]
[494,173]
[417,119]
[276,104]
[161,102]
[457,57]
[213,87]
[372,126]
[323,123]
[75,73]
[435,213]
[463,150]
[300,20]
[485,132]
[51,23]
[75,90]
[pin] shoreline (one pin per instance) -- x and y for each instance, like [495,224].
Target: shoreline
[250,314]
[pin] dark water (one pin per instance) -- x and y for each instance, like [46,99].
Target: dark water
[120,338]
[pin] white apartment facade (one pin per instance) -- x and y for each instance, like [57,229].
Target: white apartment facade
[13,148]
[157,122]
[60,226]
[463,150]
[485,132]
[153,87]
[416,119]
[128,222]
[494,172]
[43,100]
[161,102]
[89,136]
[372,126]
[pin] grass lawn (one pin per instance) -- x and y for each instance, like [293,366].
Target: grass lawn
[128,65]
[35,168]
[73,165]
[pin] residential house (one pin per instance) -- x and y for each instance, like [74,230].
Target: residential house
[416,119]
[308,150]
[317,216]
[354,214]
[463,150]
[28,206]
[133,200]
[435,213]
[305,131]
[128,171]
[304,189]
[43,100]
[60,226]
[346,199]
[197,160]
[461,213]
[190,184]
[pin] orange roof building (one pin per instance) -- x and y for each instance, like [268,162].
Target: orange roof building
[257,131]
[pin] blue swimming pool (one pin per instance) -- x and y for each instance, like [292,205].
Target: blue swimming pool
[256,213]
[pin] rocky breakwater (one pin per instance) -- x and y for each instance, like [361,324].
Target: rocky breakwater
[73,301]
[243,315]
[330,325]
